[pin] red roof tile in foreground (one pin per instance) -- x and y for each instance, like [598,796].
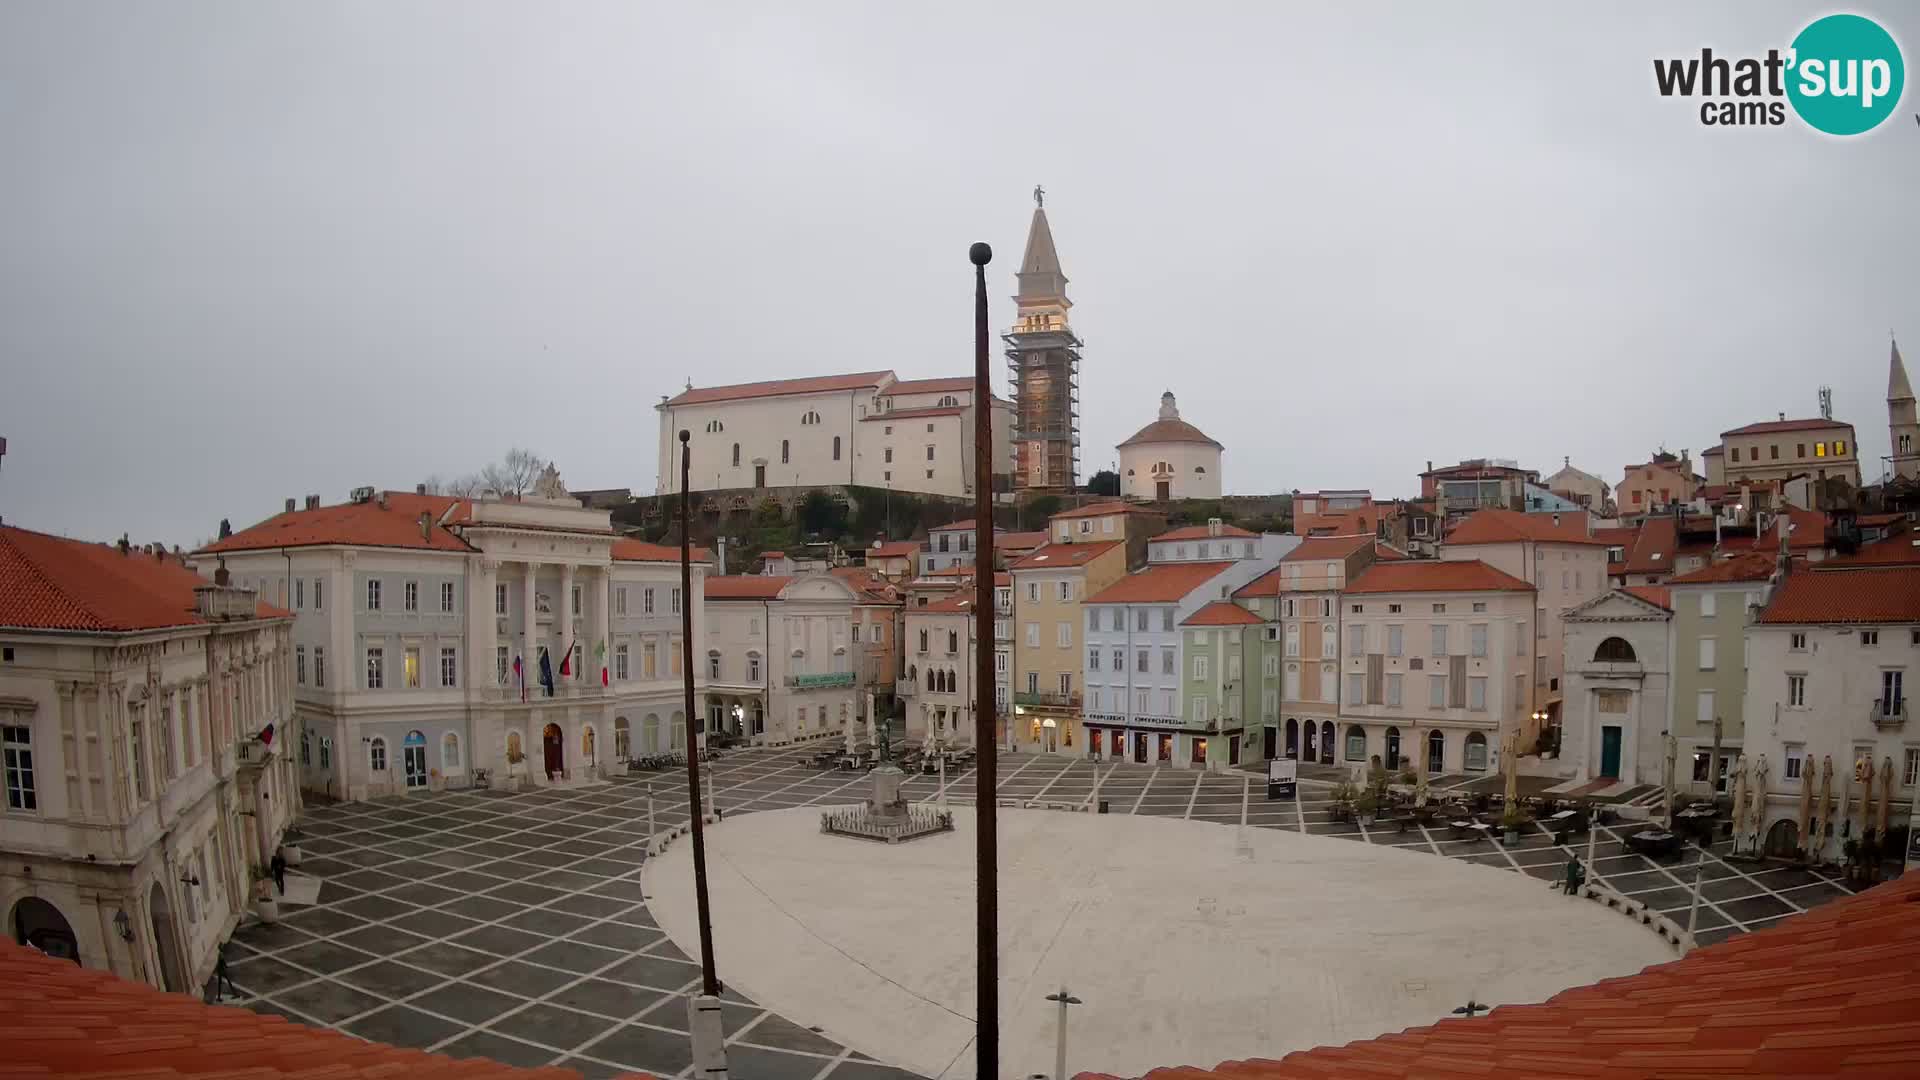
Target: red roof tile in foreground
[1747,566]
[1068,555]
[959,603]
[1221,613]
[1432,575]
[1652,594]
[1876,595]
[53,583]
[367,524]
[1327,548]
[1785,425]
[1655,546]
[1100,509]
[60,1019]
[1203,532]
[823,384]
[1495,526]
[1159,583]
[747,586]
[1831,993]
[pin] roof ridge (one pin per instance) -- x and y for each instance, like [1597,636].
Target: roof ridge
[48,581]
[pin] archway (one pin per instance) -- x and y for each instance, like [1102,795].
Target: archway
[650,733]
[40,924]
[1783,839]
[1293,738]
[413,756]
[1615,650]
[622,739]
[1393,749]
[554,747]
[1356,743]
[171,977]
[1476,752]
[1309,738]
[587,755]
[1326,741]
[1436,752]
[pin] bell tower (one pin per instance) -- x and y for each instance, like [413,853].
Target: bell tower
[1903,429]
[1043,366]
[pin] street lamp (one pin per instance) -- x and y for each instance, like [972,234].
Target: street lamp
[1063,999]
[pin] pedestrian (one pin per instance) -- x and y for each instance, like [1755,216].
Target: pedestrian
[1576,875]
[278,865]
[222,982]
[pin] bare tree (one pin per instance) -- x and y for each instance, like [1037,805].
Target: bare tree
[469,486]
[514,474]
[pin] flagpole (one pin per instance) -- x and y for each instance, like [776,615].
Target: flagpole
[986,854]
[709,981]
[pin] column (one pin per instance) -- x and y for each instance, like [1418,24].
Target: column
[529,654]
[485,636]
[604,619]
[563,621]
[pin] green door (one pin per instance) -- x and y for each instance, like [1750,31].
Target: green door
[1610,752]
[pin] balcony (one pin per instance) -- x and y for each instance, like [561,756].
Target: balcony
[820,682]
[1047,699]
[1889,715]
[251,753]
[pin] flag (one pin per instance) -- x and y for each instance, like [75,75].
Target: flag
[266,735]
[519,678]
[546,672]
[566,662]
[600,653]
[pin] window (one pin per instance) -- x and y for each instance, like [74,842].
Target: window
[929,452]
[1120,660]
[319,665]
[1198,711]
[623,661]
[1093,659]
[1066,683]
[1869,637]
[1290,685]
[646,601]
[713,664]
[1773,451]
[836,448]
[446,596]
[1734,453]
[1199,667]
[1033,682]
[1270,667]
[1439,609]
[1033,592]
[1910,767]
[1393,689]
[377,754]
[1356,688]
[620,600]
[1436,691]
[1477,693]
[1063,590]
[1357,639]
[1093,620]
[1393,609]
[1117,619]
[1329,642]
[1708,605]
[1033,635]
[1703,710]
[326,752]
[673,608]
[1393,640]
[1796,691]
[1520,639]
[318,597]
[1707,657]
[1166,619]
[300,665]
[786,453]
[953,638]
[573,601]
[1168,664]
[376,668]
[411,659]
[500,599]
[1439,639]
[1140,619]
[1478,637]
[16,752]
[410,596]
[1796,758]
[449,666]
[373,594]
[1476,758]
[299,592]
[1293,639]
[500,665]
[450,752]
[856,634]
[1355,609]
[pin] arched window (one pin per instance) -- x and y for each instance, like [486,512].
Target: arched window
[1200,468]
[1436,751]
[753,667]
[1616,651]
[736,455]
[913,674]
[932,683]
[714,426]
[1476,751]
[785,452]
[949,402]
[306,748]
[953,641]
[1293,738]
[1356,743]
[377,754]
[586,743]
[836,448]
[1326,741]
[923,639]
[713,663]
[513,745]
[1393,759]
[622,739]
[449,752]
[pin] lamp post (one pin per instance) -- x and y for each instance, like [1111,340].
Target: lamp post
[1063,999]
[986,853]
[703,1009]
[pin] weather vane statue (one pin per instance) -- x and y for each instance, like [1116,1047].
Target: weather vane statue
[1039,196]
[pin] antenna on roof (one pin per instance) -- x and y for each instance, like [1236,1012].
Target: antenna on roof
[1826,403]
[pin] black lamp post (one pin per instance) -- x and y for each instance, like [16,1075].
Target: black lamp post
[987,977]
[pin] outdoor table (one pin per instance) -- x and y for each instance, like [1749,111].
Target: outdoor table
[1562,815]
[1654,842]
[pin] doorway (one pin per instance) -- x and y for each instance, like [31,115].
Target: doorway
[1436,752]
[1307,733]
[40,924]
[1162,491]
[1050,734]
[1140,749]
[171,978]
[1610,751]
[1293,739]
[1164,753]
[1117,741]
[1268,737]
[413,756]
[1233,749]
[1393,749]
[554,749]
[759,476]
[1326,741]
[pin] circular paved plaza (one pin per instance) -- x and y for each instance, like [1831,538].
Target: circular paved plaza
[517,926]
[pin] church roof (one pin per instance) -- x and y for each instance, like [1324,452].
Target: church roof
[823,384]
[1898,388]
[1040,275]
[1170,431]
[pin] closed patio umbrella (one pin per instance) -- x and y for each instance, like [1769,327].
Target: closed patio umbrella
[1886,793]
[1737,815]
[1759,784]
[1866,797]
[1512,764]
[1806,806]
[1824,811]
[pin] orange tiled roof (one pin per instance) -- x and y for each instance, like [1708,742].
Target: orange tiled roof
[1171,431]
[966,524]
[1203,532]
[957,385]
[627,549]
[1433,575]
[894,549]
[1831,993]
[1100,509]
[1267,584]
[1057,555]
[1652,594]
[1385,552]
[1159,583]
[1900,549]
[1221,613]
[1495,526]
[1748,566]
[1878,595]
[1019,541]
[60,1019]
[364,524]
[53,583]
[870,585]
[1654,547]
[1327,548]
[747,586]
[823,384]
[1785,425]
[959,603]
[913,414]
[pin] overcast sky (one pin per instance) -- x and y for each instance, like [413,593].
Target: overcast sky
[254,250]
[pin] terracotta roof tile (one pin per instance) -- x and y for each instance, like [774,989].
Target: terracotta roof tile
[1900,549]
[1652,594]
[1267,584]
[1100,509]
[747,586]
[1221,613]
[822,384]
[1203,532]
[53,583]
[915,414]
[965,524]
[960,603]
[1871,596]
[1170,431]
[366,524]
[1327,548]
[1783,425]
[1057,555]
[1746,566]
[1654,546]
[1495,526]
[1384,552]
[1159,583]
[1431,575]
[1019,541]
[959,385]
[894,549]
[627,549]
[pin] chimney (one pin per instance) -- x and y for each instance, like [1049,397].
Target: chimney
[1783,417]
[426,525]
[290,504]
[313,502]
[383,500]
[419,489]
[720,555]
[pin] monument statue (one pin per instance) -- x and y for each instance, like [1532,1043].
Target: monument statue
[548,485]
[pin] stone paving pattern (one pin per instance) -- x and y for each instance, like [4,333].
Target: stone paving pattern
[515,926]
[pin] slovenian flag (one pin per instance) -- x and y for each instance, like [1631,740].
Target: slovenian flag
[566,662]
[600,653]
[266,735]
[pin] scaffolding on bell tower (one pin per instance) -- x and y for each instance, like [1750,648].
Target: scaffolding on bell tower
[1043,367]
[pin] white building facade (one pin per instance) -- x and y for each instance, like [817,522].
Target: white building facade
[871,429]
[1618,681]
[439,641]
[942,654]
[1169,459]
[778,666]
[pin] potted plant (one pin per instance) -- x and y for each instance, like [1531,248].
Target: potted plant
[290,846]
[1343,801]
[1368,804]
[264,904]
[434,781]
[1512,821]
[514,757]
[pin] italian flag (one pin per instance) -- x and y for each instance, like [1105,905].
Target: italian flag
[600,653]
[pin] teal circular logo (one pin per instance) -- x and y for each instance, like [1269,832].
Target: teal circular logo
[1845,74]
